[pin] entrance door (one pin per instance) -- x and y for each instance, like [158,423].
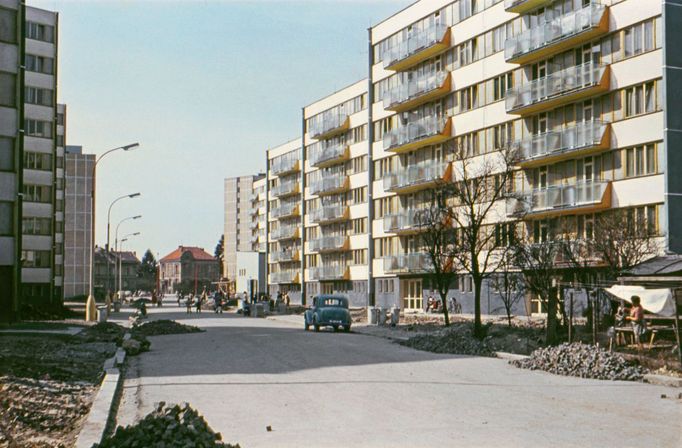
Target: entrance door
[412,294]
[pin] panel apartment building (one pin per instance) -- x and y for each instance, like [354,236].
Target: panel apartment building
[33,159]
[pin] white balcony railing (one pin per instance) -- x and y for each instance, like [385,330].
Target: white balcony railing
[327,121]
[283,256]
[582,135]
[414,131]
[326,184]
[285,232]
[285,188]
[414,88]
[328,213]
[547,33]
[328,243]
[422,173]
[333,272]
[554,85]
[284,277]
[401,222]
[416,262]
[558,197]
[286,209]
[416,42]
[320,154]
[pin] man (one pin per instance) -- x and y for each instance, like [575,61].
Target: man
[636,317]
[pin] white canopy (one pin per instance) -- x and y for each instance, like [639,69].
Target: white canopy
[657,301]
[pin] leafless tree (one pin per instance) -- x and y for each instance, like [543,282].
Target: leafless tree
[508,285]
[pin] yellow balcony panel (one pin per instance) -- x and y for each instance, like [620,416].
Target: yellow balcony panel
[562,87]
[421,46]
[581,140]
[424,132]
[524,6]
[403,99]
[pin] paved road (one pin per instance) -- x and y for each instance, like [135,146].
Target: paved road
[338,390]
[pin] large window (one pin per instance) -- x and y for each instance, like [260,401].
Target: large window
[37,128]
[8,25]
[6,154]
[37,193]
[8,89]
[36,95]
[36,226]
[39,64]
[37,161]
[39,31]
[6,218]
[35,258]
[640,160]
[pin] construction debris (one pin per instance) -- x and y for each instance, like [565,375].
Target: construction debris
[457,339]
[582,360]
[167,426]
[161,327]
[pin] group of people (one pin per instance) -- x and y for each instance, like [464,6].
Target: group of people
[434,305]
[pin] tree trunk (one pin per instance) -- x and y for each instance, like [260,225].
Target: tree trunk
[443,298]
[478,326]
[551,318]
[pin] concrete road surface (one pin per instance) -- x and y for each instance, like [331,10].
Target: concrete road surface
[349,390]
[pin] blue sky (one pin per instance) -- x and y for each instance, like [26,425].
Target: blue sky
[205,87]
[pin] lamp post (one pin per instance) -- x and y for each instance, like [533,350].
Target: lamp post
[90,308]
[120,261]
[117,227]
[133,195]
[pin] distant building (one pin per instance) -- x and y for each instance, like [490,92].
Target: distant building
[251,276]
[188,269]
[106,265]
[78,221]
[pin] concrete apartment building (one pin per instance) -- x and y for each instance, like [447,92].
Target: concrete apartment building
[237,225]
[584,90]
[258,211]
[284,219]
[77,221]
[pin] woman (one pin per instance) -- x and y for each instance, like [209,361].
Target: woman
[636,317]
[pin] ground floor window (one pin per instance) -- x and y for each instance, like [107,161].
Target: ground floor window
[411,290]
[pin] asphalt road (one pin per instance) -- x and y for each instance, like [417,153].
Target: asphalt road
[339,390]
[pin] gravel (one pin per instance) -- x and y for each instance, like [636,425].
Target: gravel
[582,360]
[167,426]
[161,327]
[456,339]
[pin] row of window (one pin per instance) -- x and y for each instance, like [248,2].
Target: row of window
[39,31]
[39,64]
[36,258]
[38,161]
[38,128]
[36,226]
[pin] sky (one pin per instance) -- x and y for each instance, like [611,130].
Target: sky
[205,87]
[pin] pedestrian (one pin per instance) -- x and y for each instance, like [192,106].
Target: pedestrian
[286,299]
[636,317]
[199,299]
[430,303]
[188,303]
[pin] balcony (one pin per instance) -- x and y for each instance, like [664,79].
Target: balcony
[332,243]
[420,90]
[284,256]
[330,213]
[425,131]
[582,139]
[562,199]
[417,177]
[285,166]
[558,88]
[563,32]
[321,157]
[253,225]
[401,223]
[285,233]
[329,123]
[418,47]
[323,273]
[413,263]
[284,277]
[285,211]
[524,6]
[285,189]
[337,183]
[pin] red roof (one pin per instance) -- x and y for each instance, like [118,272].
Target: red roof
[197,253]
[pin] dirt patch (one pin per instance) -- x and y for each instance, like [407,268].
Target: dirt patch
[161,327]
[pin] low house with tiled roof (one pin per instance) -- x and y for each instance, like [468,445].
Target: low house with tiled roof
[187,269]
[106,270]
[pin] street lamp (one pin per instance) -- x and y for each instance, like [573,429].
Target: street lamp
[116,239]
[90,309]
[120,261]
[133,195]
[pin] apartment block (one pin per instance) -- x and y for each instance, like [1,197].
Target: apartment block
[258,223]
[12,13]
[237,225]
[77,220]
[285,211]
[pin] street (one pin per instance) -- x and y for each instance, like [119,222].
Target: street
[332,389]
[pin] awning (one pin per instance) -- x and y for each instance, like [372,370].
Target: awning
[657,301]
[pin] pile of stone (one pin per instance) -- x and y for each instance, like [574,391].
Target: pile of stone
[161,327]
[103,332]
[42,413]
[457,339]
[582,360]
[169,426]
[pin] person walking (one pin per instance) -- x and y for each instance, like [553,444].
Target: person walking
[188,303]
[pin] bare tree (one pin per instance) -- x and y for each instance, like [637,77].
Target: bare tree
[508,285]
[481,185]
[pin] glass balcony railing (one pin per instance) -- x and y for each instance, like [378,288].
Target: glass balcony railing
[328,122]
[284,256]
[409,92]
[334,272]
[422,174]
[328,185]
[284,277]
[405,221]
[414,132]
[328,243]
[555,87]
[523,6]
[283,165]
[329,155]
[285,189]
[285,210]
[554,144]
[284,233]
[433,37]
[328,213]
[530,43]
[413,263]
[558,198]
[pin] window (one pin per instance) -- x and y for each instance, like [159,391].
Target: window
[500,85]
[6,218]
[640,99]
[39,64]
[643,218]
[36,226]
[468,98]
[37,193]
[6,154]
[39,31]
[37,128]
[640,160]
[8,85]
[35,95]
[37,161]
[8,25]
[35,258]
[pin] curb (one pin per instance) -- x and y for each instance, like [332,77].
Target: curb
[662,380]
[510,356]
[102,407]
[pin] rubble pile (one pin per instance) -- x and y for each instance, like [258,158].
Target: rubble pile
[457,339]
[161,327]
[42,413]
[167,426]
[103,332]
[581,360]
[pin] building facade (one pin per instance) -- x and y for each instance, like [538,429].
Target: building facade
[188,269]
[123,264]
[238,218]
[77,221]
